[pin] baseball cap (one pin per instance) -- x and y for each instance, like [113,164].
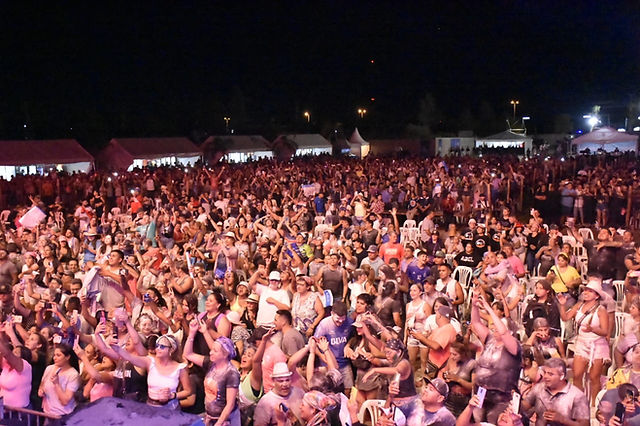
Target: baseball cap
[445,311]
[440,385]
[274,275]
[440,253]
[372,249]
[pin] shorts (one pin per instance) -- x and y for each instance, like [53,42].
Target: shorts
[412,341]
[347,376]
[592,349]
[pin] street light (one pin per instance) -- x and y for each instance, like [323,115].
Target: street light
[362,112]
[226,123]
[307,116]
[514,103]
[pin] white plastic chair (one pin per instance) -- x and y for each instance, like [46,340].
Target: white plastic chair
[463,275]
[569,239]
[373,407]
[579,251]
[586,233]
[409,223]
[620,318]
[619,286]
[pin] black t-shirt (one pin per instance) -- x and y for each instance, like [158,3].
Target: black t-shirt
[602,261]
[470,260]
[481,244]
[387,309]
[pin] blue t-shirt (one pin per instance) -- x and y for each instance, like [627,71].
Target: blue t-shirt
[337,337]
[320,204]
[417,274]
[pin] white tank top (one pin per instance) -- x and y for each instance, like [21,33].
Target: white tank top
[157,381]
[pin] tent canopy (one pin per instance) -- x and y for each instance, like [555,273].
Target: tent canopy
[307,141]
[606,138]
[239,143]
[52,151]
[157,147]
[506,139]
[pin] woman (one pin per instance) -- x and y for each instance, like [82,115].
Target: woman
[629,373]
[543,344]
[417,312]
[218,324]
[105,248]
[230,283]
[564,277]
[498,366]
[630,329]
[602,207]
[183,283]
[164,372]
[457,373]
[530,373]
[389,307]
[15,379]
[91,245]
[60,382]
[313,410]
[306,308]
[542,304]
[399,370]
[547,255]
[222,380]
[592,327]
[358,350]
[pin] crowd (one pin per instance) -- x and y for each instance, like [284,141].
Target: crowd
[313,291]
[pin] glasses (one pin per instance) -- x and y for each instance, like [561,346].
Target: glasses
[161,346]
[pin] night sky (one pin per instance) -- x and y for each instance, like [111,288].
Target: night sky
[153,68]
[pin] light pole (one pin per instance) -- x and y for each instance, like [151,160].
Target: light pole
[362,112]
[307,116]
[514,103]
[226,123]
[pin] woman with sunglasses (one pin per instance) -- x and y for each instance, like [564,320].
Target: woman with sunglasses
[222,380]
[164,372]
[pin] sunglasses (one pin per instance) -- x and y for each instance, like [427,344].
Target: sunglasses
[161,346]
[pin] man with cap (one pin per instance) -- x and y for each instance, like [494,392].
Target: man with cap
[438,340]
[282,394]
[337,329]
[433,396]
[438,260]
[418,270]
[227,255]
[373,260]
[272,298]
[554,400]
[434,243]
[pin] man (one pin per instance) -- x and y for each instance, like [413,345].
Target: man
[8,269]
[392,249]
[272,298]
[337,330]
[116,273]
[602,253]
[292,340]
[283,392]
[428,226]
[373,260]
[468,257]
[418,270]
[357,287]
[555,401]
[516,264]
[433,396]
[333,277]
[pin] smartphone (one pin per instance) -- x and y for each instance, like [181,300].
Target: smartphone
[620,411]
[115,333]
[146,298]
[17,319]
[515,402]
[57,339]
[482,392]
[47,305]
[284,408]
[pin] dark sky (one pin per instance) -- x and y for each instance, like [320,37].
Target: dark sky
[172,68]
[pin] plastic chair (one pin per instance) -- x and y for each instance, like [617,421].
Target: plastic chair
[620,317]
[372,406]
[463,275]
[586,233]
[569,239]
[619,286]
[409,223]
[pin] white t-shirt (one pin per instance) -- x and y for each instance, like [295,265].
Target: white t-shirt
[356,290]
[267,311]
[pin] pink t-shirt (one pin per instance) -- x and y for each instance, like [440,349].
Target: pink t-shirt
[15,386]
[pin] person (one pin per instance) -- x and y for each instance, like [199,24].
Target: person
[457,373]
[565,278]
[283,393]
[359,351]
[438,341]
[164,372]
[629,333]
[60,382]
[433,396]
[333,277]
[417,312]
[272,298]
[592,325]
[498,366]
[625,394]
[15,379]
[627,373]
[418,269]
[543,343]
[306,307]
[555,400]
[292,339]
[449,286]
[313,410]
[337,329]
[542,303]
[222,380]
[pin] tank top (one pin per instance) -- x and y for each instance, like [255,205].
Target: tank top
[415,315]
[128,383]
[585,319]
[407,386]
[157,381]
[332,280]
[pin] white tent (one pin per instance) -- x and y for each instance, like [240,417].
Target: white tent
[506,139]
[608,139]
[307,144]
[359,147]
